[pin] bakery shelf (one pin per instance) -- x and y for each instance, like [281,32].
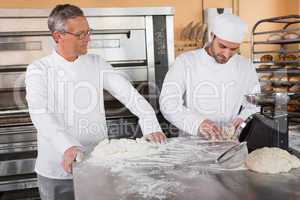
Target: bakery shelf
[278,71]
[281,51]
[287,65]
[289,19]
[278,62]
[273,92]
[291,41]
[290,114]
[294,114]
[286,22]
[281,82]
[277,31]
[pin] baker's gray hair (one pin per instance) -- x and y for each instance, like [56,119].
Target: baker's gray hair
[60,14]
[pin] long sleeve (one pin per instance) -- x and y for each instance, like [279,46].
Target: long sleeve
[252,87]
[42,113]
[172,103]
[120,88]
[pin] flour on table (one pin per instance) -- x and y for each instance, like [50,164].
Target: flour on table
[271,160]
[151,169]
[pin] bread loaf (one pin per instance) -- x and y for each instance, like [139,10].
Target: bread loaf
[264,66]
[275,78]
[294,88]
[290,36]
[280,89]
[266,58]
[290,57]
[275,66]
[290,66]
[293,108]
[267,88]
[284,78]
[279,58]
[294,102]
[294,78]
[265,77]
[275,36]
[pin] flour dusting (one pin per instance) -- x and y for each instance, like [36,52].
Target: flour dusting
[151,169]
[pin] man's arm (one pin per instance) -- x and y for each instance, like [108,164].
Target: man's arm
[252,86]
[172,103]
[43,115]
[121,89]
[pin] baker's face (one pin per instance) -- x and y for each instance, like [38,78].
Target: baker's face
[223,50]
[75,40]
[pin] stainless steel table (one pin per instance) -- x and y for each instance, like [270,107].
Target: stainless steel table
[187,181]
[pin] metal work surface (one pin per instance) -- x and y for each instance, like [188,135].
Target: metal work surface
[187,180]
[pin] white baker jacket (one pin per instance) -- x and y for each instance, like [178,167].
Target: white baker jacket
[196,87]
[65,101]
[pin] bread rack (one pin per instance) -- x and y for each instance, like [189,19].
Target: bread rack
[285,63]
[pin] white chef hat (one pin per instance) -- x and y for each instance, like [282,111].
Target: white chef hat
[229,27]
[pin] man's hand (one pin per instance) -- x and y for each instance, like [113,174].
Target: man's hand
[210,130]
[237,122]
[158,137]
[69,157]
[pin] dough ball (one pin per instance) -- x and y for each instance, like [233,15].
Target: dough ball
[271,160]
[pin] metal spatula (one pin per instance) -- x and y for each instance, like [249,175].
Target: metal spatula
[234,156]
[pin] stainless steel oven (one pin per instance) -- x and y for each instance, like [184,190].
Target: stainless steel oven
[137,41]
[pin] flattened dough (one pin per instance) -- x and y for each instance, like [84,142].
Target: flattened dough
[123,148]
[271,160]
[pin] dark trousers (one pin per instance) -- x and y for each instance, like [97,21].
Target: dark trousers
[55,189]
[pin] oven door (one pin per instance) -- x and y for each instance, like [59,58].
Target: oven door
[124,49]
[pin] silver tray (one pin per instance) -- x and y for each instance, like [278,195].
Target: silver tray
[268,98]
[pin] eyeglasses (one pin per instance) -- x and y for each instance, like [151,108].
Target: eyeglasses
[80,35]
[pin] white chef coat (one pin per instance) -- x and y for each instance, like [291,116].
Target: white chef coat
[65,101]
[196,87]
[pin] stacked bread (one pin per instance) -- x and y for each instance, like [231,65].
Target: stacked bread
[294,105]
[279,61]
[274,82]
[283,36]
[280,71]
[281,88]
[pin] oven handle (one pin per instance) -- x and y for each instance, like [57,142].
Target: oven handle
[47,33]
[25,33]
[110,32]
[21,111]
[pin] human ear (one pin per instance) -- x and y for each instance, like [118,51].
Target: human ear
[56,36]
